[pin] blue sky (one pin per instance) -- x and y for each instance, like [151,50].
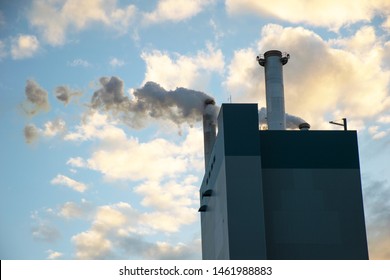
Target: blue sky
[116,176]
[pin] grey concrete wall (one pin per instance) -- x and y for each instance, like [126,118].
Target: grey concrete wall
[233,224]
[314,214]
[312,195]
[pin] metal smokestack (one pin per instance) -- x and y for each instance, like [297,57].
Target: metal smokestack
[209,129]
[273,62]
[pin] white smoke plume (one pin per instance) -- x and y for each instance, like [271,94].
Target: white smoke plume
[37,99]
[151,101]
[292,122]
[64,94]
[31,133]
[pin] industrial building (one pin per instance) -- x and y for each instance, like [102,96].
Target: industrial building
[277,193]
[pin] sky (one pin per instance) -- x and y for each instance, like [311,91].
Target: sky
[101,101]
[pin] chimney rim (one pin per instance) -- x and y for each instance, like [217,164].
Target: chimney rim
[272,53]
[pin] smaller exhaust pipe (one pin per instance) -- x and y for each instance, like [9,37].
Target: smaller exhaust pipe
[273,62]
[209,130]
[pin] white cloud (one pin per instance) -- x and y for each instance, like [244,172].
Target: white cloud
[176,10]
[384,119]
[53,128]
[24,46]
[168,194]
[78,62]
[315,13]
[45,232]
[115,62]
[322,79]
[152,160]
[180,251]
[68,182]
[122,158]
[108,217]
[92,245]
[137,161]
[180,70]
[386,24]
[376,133]
[243,77]
[160,196]
[170,222]
[119,228]
[53,255]
[77,162]
[55,18]
[72,210]
[96,126]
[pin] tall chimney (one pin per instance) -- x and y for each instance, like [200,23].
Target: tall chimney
[273,62]
[209,130]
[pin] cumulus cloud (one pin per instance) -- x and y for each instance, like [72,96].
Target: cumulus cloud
[120,231]
[376,133]
[180,251]
[76,162]
[168,216]
[134,160]
[181,70]
[175,10]
[384,119]
[116,62]
[24,46]
[96,126]
[53,128]
[92,245]
[31,133]
[56,18]
[168,194]
[65,94]
[151,101]
[322,79]
[53,255]
[295,11]
[37,99]
[68,182]
[78,62]
[109,220]
[73,210]
[45,232]
[160,196]
[137,161]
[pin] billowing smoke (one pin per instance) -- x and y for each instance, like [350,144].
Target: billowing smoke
[64,94]
[151,101]
[37,99]
[51,129]
[292,122]
[31,133]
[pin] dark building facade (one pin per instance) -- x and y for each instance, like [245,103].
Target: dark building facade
[281,194]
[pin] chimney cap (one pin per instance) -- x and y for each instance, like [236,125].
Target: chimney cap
[272,53]
[304,126]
